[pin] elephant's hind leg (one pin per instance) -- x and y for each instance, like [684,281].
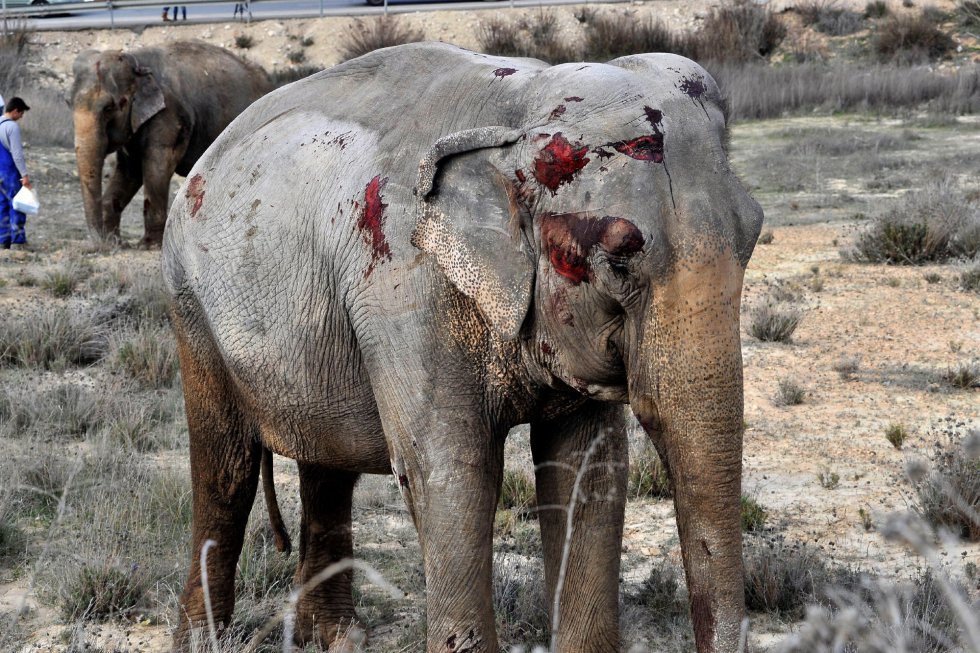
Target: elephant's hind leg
[225,457]
[325,613]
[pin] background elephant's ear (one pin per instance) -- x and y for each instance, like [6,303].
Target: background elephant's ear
[470,219]
[147,99]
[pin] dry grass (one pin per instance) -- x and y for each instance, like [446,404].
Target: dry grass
[906,38]
[51,338]
[949,496]
[369,34]
[934,224]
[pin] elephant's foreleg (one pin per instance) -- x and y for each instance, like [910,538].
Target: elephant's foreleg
[225,456]
[126,179]
[326,611]
[158,169]
[580,462]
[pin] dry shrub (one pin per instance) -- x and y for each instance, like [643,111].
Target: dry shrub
[970,278]
[827,18]
[949,496]
[907,38]
[369,34]
[876,9]
[281,77]
[782,577]
[757,91]
[647,476]
[52,338]
[740,31]
[535,35]
[870,616]
[13,56]
[517,492]
[613,34]
[968,12]
[101,591]
[520,600]
[773,320]
[935,224]
[148,355]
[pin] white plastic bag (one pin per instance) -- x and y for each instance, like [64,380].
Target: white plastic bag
[25,201]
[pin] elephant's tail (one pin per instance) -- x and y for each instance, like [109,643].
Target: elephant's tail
[279,532]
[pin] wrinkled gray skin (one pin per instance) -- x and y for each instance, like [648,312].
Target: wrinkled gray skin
[343,305]
[158,109]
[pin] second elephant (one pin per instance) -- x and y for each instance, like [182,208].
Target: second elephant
[157,109]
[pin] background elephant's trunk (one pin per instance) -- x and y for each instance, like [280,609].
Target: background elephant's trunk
[90,153]
[686,388]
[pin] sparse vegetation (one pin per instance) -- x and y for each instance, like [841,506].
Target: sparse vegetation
[965,375]
[774,321]
[244,41]
[829,479]
[369,34]
[520,601]
[517,492]
[647,475]
[739,31]
[51,339]
[949,496]
[148,355]
[932,225]
[789,393]
[896,434]
[847,367]
[754,515]
[876,9]
[765,238]
[970,278]
[296,56]
[100,591]
[782,577]
[907,38]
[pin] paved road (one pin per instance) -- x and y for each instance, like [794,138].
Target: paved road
[100,17]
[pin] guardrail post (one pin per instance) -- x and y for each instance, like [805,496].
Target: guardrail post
[321,8]
[112,16]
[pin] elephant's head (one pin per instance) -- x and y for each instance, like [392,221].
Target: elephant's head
[112,97]
[610,237]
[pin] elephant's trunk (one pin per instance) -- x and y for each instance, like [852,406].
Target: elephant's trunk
[90,153]
[686,389]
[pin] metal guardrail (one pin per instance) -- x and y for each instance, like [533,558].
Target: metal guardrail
[23,13]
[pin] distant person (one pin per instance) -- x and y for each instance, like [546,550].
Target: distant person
[241,8]
[1,101]
[183,8]
[13,174]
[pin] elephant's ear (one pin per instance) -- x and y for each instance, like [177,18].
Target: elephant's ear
[469,218]
[147,99]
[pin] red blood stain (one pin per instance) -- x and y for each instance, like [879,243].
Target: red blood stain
[573,98]
[546,348]
[654,117]
[403,480]
[504,72]
[570,237]
[649,147]
[195,191]
[557,112]
[558,162]
[371,223]
[520,176]
[602,153]
[693,87]
[645,148]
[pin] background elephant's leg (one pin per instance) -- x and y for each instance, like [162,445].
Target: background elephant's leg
[225,457]
[589,616]
[327,610]
[126,179]
[157,173]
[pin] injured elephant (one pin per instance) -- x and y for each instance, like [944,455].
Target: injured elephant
[384,267]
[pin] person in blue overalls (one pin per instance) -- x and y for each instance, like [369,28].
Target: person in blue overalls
[13,174]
